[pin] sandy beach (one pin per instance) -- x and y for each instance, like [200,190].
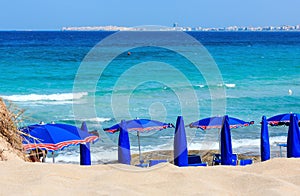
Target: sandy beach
[279,176]
[159,98]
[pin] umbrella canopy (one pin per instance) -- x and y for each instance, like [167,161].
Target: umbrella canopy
[138,125]
[216,123]
[264,140]
[180,144]
[226,146]
[225,124]
[281,119]
[293,139]
[53,137]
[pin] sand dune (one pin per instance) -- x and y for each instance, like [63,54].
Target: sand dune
[274,177]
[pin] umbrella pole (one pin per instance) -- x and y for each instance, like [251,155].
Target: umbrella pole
[140,154]
[53,159]
[219,139]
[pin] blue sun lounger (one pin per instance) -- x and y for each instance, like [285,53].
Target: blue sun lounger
[155,162]
[235,160]
[244,162]
[195,160]
[217,159]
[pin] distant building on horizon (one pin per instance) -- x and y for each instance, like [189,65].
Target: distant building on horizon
[176,27]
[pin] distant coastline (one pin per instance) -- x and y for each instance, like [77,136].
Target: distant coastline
[177,28]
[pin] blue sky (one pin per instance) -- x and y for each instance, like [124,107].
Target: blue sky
[54,14]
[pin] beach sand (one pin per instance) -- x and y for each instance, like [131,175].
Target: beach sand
[279,176]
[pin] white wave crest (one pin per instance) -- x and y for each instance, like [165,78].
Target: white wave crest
[230,85]
[217,85]
[97,119]
[227,85]
[51,97]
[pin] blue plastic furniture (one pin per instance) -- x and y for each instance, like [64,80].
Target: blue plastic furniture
[142,164]
[244,162]
[280,146]
[155,162]
[217,159]
[195,160]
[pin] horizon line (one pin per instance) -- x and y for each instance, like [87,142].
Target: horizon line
[224,27]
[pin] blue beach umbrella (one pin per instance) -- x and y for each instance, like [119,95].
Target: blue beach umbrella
[215,122]
[226,146]
[139,125]
[264,140]
[180,144]
[54,137]
[124,155]
[293,138]
[85,153]
[281,119]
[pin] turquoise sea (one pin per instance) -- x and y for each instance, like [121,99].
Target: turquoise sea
[55,76]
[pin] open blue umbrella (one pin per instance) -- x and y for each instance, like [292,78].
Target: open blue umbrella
[264,140]
[226,146]
[216,123]
[54,137]
[281,119]
[139,125]
[180,144]
[293,139]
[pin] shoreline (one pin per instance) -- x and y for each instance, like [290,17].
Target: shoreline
[206,156]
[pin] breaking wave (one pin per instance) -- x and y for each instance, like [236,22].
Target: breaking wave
[97,119]
[50,97]
[218,85]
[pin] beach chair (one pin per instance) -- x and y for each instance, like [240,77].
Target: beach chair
[142,164]
[195,160]
[244,162]
[217,159]
[155,162]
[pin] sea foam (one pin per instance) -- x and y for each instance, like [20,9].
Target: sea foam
[50,97]
[217,85]
[230,85]
[96,119]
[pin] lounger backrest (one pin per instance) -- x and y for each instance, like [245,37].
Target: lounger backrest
[194,159]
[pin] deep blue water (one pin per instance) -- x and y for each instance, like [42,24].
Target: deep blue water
[259,71]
